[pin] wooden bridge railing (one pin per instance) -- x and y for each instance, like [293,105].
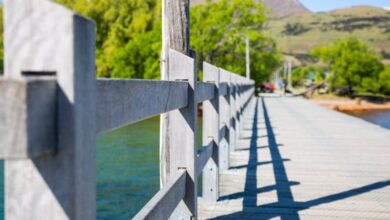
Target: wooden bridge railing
[52,107]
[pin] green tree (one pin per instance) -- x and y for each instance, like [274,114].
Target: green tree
[218,33]
[121,25]
[352,64]
[384,80]
[301,74]
[320,75]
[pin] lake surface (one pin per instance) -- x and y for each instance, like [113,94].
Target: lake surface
[380,117]
[128,169]
[128,166]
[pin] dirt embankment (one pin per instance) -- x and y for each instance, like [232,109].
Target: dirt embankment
[351,105]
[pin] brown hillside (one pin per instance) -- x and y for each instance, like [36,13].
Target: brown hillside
[279,8]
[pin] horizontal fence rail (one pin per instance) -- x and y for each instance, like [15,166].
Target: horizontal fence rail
[52,108]
[205,91]
[204,154]
[122,102]
[165,201]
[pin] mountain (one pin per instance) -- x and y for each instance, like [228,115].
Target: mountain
[279,8]
[298,35]
[285,8]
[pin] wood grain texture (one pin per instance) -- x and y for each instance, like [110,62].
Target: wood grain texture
[225,111]
[210,133]
[297,160]
[28,117]
[205,91]
[175,36]
[41,35]
[204,154]
[166,200]
[181,133]
[122,102]
[223,88]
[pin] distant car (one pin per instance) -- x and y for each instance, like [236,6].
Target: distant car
[268,87]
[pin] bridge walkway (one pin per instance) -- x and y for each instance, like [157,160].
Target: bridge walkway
[297,160]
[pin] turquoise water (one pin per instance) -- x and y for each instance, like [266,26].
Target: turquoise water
[128,169]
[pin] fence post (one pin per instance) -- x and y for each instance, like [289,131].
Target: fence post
[181,134]
[211,118]
[237,108]
[232,117]
[242,100]
[225,117]
[42,36]
[176,36]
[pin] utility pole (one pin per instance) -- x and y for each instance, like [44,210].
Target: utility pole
[248,59]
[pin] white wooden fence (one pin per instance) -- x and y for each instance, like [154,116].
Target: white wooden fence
[52,107]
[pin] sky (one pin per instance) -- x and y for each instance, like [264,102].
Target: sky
[327,5]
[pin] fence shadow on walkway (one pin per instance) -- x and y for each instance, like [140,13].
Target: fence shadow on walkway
[285,207]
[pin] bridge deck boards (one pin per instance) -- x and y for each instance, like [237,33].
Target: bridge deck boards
[297,160]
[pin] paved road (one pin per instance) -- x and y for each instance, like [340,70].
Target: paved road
[297,160]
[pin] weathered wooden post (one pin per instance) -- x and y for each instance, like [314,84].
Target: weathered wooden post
[44,38]
[237,108]
[232,107]
[225,116]
[175,35]
[211,129]
[181,134]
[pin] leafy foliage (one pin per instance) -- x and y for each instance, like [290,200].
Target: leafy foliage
[301,74]
[352,64]
[127,35]
[219,30]
[384,81]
